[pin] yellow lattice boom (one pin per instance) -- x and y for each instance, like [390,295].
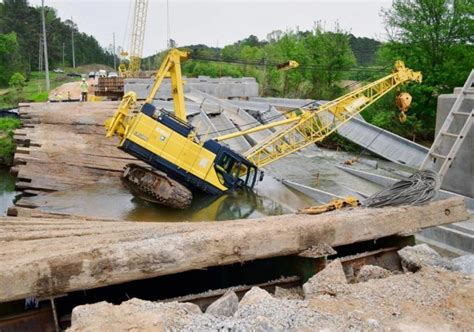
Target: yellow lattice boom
[315,124]
[138,37]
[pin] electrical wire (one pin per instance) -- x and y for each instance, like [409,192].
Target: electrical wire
[126,35]
[419,188]
[264,63]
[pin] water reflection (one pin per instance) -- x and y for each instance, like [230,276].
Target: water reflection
[111,200]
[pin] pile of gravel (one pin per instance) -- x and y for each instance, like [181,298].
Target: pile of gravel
[432,296]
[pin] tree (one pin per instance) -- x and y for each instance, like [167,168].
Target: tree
[431,31]
[17,81]
[435,37]
[331,52]
[8,56]
[16,16]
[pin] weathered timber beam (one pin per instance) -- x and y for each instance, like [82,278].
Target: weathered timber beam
[45,257]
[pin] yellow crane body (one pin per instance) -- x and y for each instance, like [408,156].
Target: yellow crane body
[164,142]
[168,143]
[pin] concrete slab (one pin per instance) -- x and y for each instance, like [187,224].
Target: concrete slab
[384,143]
[225,87]
[238,117]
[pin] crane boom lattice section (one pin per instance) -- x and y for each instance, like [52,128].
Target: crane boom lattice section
[138,35]
[314,125]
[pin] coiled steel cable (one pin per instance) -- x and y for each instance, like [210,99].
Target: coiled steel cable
[420,187]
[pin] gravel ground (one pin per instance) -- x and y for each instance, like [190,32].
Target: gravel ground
[430,299]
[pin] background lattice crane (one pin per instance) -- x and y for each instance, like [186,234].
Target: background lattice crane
[140,9]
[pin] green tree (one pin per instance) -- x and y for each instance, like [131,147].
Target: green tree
[17,81]
[17,16]
[332,54]
[8,56]
[435,37]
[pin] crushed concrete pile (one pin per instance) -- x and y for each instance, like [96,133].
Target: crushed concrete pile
[432,298]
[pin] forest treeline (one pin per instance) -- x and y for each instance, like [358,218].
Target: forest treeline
[20,38]
[434,37]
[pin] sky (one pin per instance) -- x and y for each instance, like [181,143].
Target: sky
[218,22]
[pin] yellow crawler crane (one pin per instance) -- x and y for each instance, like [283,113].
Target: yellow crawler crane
[182,163]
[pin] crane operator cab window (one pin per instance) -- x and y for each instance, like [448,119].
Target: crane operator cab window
[235,171]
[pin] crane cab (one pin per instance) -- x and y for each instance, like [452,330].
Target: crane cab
[170,145]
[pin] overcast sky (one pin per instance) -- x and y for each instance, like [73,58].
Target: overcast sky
[219,22]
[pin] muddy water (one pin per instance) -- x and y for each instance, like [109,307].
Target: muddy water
[7,191]
[111,200]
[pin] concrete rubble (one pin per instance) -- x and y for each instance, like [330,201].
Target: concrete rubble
[465,264]
[226,305]
[369,272]
[331,280]
[414,258]
[383,301]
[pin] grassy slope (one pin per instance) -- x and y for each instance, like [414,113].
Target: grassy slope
[35,90]
[7,147]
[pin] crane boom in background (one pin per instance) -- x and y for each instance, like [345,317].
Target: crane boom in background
[140,10]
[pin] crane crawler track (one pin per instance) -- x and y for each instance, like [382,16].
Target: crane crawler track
[154,186]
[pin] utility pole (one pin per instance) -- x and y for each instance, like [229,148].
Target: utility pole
[40,54]
[114,52]
[45,47]
[72,42]
[63,56]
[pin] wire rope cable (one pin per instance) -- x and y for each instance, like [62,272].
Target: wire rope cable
[418,188]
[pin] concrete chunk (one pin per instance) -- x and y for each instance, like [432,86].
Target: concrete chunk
[327,281]
[368,272]
[226,305]
[254,296]
[416,257]
[465,263]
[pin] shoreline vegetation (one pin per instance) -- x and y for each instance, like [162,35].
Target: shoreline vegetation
[7,146]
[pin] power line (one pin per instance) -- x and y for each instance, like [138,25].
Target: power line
[262,63]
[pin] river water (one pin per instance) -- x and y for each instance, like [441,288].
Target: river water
[111,200]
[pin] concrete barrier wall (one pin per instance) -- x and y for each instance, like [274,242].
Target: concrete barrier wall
[224,87]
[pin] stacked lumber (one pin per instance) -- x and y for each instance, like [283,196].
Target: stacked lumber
[63,146]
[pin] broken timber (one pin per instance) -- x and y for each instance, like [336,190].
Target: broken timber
[47,257]
[62,146]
